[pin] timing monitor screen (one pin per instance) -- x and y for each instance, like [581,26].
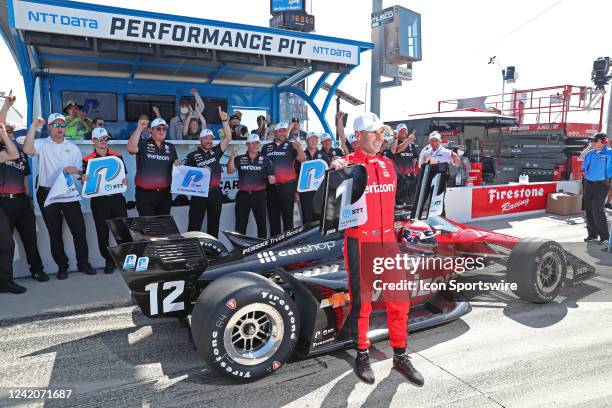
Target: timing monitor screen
[95,104]
[211,108]
[142,104]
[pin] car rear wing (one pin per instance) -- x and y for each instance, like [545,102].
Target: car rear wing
[161,274]
[134,229]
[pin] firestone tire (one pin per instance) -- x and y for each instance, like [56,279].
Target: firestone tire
[245,326]
[539,269]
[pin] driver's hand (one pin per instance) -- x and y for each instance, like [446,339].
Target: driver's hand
[338,164]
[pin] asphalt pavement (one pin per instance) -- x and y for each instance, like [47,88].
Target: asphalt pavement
[506,352]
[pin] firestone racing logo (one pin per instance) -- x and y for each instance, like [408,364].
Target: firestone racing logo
[271,256]
[522,194]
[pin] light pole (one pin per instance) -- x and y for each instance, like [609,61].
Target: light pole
[493,60]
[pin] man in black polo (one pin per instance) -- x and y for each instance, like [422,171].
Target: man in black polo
[154,160]
[8,153]
[208,156]
[306,197]
[281,196]
[326,147]
[406,153]
[18,208]
[254,173]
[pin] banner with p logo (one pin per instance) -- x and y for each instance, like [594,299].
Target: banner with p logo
[63,190]
[312,175]
[192,181]
[105,177]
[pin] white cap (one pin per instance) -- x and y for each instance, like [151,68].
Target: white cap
[98,133]
[401,126]
[434,135]
[281,125]
[369,122]
[206,132]
[351,137]
[252,138]
[158,121]
[326,136]
[389,139]
[55,116]
[311,134]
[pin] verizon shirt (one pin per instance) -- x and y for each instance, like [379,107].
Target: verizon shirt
[154,165]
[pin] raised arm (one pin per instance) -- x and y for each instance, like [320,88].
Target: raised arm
[230,164]
[28,144]
[341,134]
[187,121]
[10,151]
[156,112]
[132,144]
[227,133]
[8,102]
[199,101]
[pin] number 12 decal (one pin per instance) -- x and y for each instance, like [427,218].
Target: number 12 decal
[168,304]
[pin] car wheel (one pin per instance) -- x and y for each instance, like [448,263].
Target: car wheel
[245,326]
[538,268]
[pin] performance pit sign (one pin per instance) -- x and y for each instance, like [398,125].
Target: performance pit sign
[206,34]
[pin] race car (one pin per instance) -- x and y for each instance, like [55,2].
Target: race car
[253,307]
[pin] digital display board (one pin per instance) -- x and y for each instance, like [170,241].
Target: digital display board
[278,6]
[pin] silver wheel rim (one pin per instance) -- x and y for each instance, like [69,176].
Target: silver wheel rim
[253,334]
[549,272]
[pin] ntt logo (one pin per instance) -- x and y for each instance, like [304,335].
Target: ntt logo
[266,256]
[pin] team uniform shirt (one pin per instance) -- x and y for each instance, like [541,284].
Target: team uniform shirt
[154,165]
[387,153]
[318,154]
[53,157]
[596,165]
[12,174]
[94,155]
[405,160]
[253,174]
[442,155]
[211,159]
[334,152]
[380,198]
[283,158]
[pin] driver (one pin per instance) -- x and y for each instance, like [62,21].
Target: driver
[379,228]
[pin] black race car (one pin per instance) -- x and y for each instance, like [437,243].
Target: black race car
[255,306]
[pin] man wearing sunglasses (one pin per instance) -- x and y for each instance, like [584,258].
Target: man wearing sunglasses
[16,200]
[207,155]
[154,160]
[106,207]
[57,155]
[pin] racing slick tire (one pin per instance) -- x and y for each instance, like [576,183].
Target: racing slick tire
[245,326]
[539,269]
[213,248]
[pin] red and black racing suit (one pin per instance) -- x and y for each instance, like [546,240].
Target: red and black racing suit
[378,229]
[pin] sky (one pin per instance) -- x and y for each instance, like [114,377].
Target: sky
[551,42]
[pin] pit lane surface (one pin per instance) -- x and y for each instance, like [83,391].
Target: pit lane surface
[504,353]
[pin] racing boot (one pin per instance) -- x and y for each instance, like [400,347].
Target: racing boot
[401,362]
[363,370]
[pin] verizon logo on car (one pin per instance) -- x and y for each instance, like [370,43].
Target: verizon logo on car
[500,200]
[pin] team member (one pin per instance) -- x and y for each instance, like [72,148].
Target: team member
[106,207]
[378,229]
[208,156]
[15,199]
[459,173]
[154,160]
[326,146]
[254,173]
[385,151]
[312,153]
[596,174]
[57,155]
[436,153]
[8,154]
[77,123]
[406,151]
[281,195]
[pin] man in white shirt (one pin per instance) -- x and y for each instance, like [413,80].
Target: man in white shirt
[436,153]
[56,155]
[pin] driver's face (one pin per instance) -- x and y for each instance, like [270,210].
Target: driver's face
[370,142]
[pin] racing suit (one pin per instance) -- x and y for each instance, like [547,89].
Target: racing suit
[378,229]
